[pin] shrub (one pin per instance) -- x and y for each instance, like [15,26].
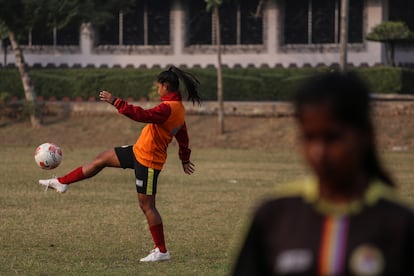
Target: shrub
[267,84]
[48,85]
[10,82]
[388,79]
[4,97]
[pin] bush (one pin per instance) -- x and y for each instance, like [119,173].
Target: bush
[239,84]
[388,80]
[250,84]
[10,82]
[48,85]
[235,87]
[4,97]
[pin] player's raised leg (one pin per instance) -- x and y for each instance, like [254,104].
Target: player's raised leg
[107,158]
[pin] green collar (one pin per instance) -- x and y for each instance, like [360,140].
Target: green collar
[309,190]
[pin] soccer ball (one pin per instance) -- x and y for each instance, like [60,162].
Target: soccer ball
[48,156]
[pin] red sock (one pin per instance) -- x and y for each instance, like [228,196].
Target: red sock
[157,232]
[73,176]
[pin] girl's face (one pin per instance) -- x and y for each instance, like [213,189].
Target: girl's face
[333,150]
[162,88]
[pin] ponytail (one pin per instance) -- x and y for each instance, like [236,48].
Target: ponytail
[172,77]
[191,83]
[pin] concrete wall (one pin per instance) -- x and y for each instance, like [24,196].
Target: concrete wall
[383,105]
[270,54]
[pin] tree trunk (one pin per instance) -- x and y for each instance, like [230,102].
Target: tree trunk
[4,44]
[388,53]
[392,53]
[219,72]
[344,35]
[35,114]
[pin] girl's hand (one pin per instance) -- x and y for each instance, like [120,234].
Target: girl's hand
[188,167]
[105,96]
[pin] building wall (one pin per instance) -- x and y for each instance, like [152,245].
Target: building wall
[272,53]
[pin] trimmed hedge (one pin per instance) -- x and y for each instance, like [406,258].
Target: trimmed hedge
[239,84]
[10,83]
[389,80]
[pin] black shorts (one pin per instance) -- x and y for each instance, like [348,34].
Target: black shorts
[145,178]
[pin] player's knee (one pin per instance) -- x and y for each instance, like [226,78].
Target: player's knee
[100,161]
[146,207]
[97,163]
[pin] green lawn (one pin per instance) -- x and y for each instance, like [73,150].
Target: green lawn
[96,228]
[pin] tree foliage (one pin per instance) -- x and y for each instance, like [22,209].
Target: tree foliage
[98,12]
[4,34]
[390,31]
[211,3]
[3,30]
[21,16]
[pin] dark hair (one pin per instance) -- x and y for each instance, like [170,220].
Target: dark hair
[173,75]
[349,98]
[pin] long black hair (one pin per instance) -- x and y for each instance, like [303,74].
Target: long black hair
[173,75]
[350,100]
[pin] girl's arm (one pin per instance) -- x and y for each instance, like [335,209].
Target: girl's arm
[156,115]
[184,151]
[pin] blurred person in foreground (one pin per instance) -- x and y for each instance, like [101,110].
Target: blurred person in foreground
[346,220]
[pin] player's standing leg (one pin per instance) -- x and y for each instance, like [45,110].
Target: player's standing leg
[160,253]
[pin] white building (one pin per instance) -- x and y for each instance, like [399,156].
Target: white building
[281,33]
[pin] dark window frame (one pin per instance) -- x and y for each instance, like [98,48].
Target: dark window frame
[303,26]
[146,24]
[233,15]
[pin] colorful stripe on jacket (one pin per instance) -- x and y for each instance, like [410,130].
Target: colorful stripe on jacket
[333,245]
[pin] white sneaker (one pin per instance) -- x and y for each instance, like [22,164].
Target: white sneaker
[156,256]
[53,183]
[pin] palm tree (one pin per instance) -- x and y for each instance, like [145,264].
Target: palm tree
[29,92]
[3,36]
[343,51]
[19,16]
[214,5]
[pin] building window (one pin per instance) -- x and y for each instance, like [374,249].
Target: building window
[239,23]
[39,35]
[147,22]
[402,10]
[108,34]
[251,24]
[69,35]
[318,21]
[199,23]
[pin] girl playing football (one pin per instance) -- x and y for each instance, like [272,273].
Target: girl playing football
[148,155]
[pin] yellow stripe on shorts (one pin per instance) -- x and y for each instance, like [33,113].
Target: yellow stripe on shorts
[150,181]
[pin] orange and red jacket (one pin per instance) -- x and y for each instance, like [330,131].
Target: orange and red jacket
[164,122]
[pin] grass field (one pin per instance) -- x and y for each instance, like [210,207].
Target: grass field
[96,228]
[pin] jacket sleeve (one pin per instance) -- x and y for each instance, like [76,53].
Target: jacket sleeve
[183,142]
[157,115]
